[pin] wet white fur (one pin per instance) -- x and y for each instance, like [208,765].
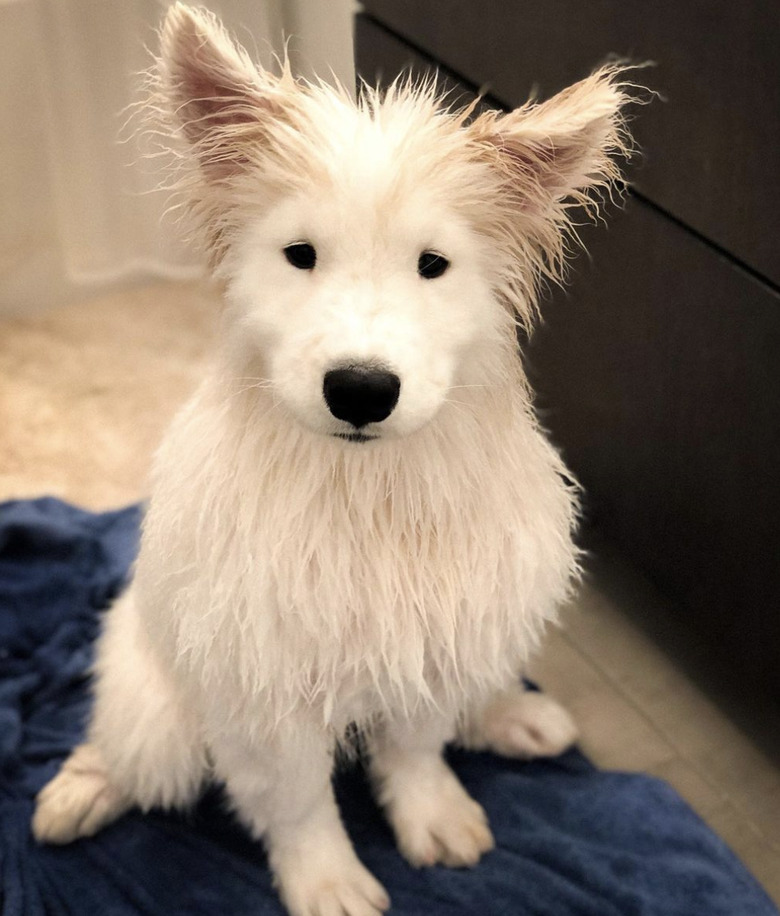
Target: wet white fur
[290,583]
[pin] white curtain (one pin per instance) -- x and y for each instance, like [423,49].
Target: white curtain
[80,210]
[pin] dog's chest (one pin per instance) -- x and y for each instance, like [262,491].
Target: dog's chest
[385,612]
[381,585]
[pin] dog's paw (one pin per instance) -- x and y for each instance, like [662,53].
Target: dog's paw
[440,823]
[523,724]
[78,801]
[328,885]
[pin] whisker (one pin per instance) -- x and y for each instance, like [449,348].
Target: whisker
[260,384]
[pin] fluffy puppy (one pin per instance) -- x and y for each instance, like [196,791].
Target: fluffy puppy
[356,519]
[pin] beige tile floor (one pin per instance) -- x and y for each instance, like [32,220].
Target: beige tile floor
[85,392]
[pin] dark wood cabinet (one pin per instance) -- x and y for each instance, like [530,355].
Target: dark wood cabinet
[658,368]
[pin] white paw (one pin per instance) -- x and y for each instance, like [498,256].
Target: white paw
[437,821]
[78,801]
[524,724]
[330,882]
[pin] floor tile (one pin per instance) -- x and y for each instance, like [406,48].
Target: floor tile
[761,857]
[702,795]
[614,733]
[704,738]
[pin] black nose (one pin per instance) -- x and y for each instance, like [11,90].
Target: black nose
[361,394]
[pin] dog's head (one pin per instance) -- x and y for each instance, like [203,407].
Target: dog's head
[377,254]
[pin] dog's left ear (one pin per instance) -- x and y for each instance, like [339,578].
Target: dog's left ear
[562,148]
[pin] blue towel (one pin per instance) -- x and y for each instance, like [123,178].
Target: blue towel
[571,840]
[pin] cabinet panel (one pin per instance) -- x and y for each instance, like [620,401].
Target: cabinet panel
[658,376]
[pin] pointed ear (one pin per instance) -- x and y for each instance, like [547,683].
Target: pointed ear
[561,148]
[213,91]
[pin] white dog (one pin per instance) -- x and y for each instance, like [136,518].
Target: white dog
[356,519]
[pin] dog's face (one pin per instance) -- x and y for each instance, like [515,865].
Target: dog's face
[365,298]
[375,254]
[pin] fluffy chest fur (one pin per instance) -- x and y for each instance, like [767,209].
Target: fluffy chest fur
[284,570]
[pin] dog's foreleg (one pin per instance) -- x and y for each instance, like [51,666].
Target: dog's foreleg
[143,746]
[519,723]
[79,801]
[434,818]
[281,789]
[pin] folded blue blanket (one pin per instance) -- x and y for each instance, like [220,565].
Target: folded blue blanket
[570,839]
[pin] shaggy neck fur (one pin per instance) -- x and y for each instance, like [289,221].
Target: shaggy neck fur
[394,569]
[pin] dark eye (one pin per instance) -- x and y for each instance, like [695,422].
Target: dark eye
[301,255]
[431,265]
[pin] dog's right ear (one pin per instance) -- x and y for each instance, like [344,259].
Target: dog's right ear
[218,97]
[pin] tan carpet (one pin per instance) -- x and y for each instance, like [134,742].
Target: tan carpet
[86,390]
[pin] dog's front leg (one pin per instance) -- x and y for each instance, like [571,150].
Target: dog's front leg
[282,790]
[434,818]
